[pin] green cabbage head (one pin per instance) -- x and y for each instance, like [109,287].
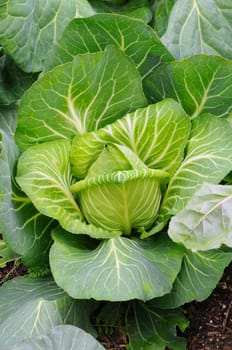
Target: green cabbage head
[119,192]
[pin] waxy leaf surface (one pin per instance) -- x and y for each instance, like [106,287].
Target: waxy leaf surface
[29,29]
[31,307]
[190,284]
[117,269]
[199,26]
[61,337]
[206,221]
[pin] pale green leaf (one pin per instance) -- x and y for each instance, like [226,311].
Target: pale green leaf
[208,159]
[116,269]
[199,275]
[153,329]
[65,337]
[157,134]
[29,29]
[206,221]
[200,83]
[44,174]
[30,307]
[25,231]
[93,34]
[199,26]
[78,97]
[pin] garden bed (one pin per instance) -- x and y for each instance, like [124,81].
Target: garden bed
[210,321]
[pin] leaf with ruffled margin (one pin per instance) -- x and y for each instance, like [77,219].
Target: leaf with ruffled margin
[80,96]
[200,83]
[151,328]
[93,34]
[199,27]
[206,221]
[61,337]
[116,269]
[44,174]
[199,274]
[30,307]
[25,231]
[29,29]
[208,159]
[157,134]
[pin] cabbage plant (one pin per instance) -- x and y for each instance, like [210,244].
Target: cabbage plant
[114,185]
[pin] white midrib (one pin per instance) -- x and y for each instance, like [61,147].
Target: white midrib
[77,120]
[117,261]
[204,97]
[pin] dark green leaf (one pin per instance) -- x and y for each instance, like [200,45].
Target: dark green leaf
[199,275]
[93,34]
[200,83]
[152,329]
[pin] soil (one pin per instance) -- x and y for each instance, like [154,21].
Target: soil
[210,321]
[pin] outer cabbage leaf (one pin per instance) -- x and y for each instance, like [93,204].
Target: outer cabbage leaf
[93,34]
[208,159]
[162,10]
[116,269]
[31,307]
[151,328]
[13,81]
[44,174]
[200,83]
[25,231]
[6,254]
[206,221]
[29,29]
[61,337]
[139,9]
[157,134]
[199,26]
[199,274]
[80,96]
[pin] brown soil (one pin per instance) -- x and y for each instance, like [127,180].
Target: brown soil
[210,321]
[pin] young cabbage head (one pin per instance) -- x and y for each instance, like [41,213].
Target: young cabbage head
[119,191]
